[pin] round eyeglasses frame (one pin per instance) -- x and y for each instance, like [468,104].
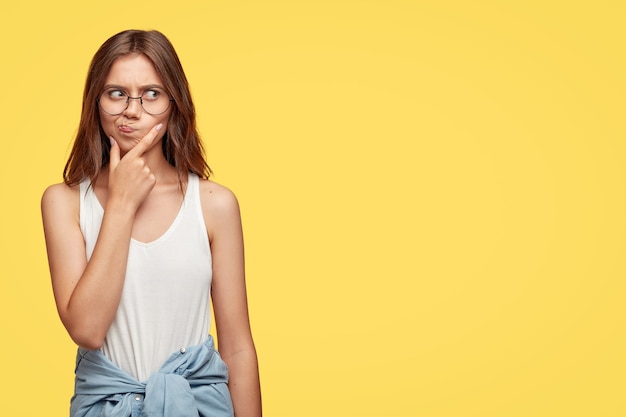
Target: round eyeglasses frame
[140,98]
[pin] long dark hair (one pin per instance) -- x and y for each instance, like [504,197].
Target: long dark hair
[182,147]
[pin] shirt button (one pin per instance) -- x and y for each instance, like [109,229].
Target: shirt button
[137,397]
[183,350]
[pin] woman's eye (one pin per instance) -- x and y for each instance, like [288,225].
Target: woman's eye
[116,94]
[151,95]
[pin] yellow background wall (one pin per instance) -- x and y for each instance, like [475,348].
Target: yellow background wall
[433,195]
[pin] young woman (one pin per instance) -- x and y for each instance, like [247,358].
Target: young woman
[139,239]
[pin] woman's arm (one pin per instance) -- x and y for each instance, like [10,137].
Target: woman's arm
[221,213]
[87,294]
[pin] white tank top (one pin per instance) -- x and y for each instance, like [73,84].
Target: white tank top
[165,301]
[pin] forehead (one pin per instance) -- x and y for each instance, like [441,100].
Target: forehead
[133,71]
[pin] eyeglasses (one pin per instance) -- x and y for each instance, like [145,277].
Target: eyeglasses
[115,101]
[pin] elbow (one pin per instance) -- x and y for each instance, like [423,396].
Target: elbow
[84,331]
[87,338]
[89,344]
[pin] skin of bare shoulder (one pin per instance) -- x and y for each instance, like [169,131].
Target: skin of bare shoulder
[218,203]
[60,206]
[59,193]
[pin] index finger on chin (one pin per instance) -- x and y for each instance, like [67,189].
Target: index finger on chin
[145,142]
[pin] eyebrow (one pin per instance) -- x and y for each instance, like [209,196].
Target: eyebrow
[142,87]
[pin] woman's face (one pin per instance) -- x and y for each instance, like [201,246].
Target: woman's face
[133,76]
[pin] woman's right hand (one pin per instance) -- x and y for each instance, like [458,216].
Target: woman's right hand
[130,178]
[87,293]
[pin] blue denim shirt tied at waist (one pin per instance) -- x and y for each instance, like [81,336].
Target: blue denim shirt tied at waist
[191,382]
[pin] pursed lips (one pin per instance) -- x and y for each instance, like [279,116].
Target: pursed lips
[126,129]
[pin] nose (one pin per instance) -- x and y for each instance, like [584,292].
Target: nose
[134,108]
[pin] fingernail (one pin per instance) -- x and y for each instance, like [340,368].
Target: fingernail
[159,126]
[111,140]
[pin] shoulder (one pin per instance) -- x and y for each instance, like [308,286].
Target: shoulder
[60,205]
[220,208]
[217,199]
[60,194]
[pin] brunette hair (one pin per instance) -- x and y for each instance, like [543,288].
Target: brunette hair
[182,147]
